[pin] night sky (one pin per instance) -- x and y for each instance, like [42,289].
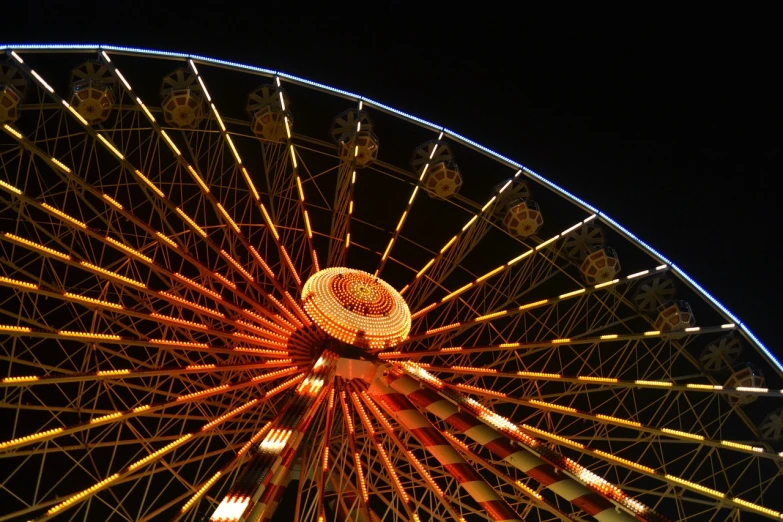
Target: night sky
[670,127]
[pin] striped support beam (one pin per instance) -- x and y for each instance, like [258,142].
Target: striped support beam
[533,466]
[428,436]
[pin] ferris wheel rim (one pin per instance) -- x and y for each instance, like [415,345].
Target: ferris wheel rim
[616,226]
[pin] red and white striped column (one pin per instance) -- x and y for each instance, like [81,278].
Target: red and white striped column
[545,473]
[428,436]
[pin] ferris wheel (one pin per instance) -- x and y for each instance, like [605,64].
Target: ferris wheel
[232,294]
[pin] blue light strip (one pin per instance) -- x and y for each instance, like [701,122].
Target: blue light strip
[509,162]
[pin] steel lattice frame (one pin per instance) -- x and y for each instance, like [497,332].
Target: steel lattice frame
[158,362]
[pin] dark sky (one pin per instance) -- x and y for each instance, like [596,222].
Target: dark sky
[670,125]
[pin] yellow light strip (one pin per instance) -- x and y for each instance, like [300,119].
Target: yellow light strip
[307,225]
[128,249]
[16,282]
[756,507]
[269,222]
[608,283]
[228,218]
[695,486]
[191,222]
[104,373]
[113,202]
[150,184]
[662,384]
[526,489]
[13,131]
[160,452]
[488,203]
[552,406]
[447,245]
[553,436]
[547,242]
[203,489]
[490,274]
[27,438]
[456,292]
[104,418]
[223,279]
[539,374]
[587,378]
[704,386]
[171,143]
[60,164]
[519,257]
[293,157]
[146,110]
[561,341]
[11,328]
[533,305]
[166,238]
[215,111]
[469,223]
[63,215]
[236,264]
[624,461]
[490,316]
[25,378]
[92,301]
[746,447]
[571,294]
[652,333]
[75,113]
[90,335]
[122,78]
[42,81]
[198,178]
[608,336]
[110,146]
[250,183]
[619,420]
[402,220]
[684,434]
[113,275]
[194,284]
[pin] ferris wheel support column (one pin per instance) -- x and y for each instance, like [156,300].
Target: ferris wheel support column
[430,437]
[524,460]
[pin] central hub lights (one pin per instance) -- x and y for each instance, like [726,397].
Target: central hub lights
[356,308]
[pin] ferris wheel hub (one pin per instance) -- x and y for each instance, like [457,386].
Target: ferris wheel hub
[356,308]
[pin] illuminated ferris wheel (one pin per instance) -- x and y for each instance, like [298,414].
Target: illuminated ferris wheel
[212,310]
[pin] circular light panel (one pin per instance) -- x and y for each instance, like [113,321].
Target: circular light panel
[356,308]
